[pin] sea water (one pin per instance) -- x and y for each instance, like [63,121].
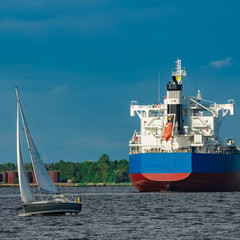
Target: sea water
[123,213]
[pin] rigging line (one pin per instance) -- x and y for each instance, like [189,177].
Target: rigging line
[37,160]
[204,100]
[36,139]
[26,111]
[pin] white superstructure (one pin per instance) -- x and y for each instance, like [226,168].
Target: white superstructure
[195,122]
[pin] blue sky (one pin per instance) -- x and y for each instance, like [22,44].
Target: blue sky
[78,64]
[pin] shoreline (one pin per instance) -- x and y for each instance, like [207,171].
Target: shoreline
[74,184]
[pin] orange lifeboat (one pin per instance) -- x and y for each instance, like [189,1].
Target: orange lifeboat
[168,131]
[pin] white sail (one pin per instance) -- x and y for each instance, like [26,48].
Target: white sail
[43,179]
[25,189]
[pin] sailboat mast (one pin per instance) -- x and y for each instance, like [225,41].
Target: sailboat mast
[25,130]
[25,190]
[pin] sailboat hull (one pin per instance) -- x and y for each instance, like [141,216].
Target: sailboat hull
[51,207]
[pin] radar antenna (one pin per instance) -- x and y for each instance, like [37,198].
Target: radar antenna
[179,73]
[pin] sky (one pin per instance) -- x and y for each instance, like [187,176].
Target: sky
[79,63]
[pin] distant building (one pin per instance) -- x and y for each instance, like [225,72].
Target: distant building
[11,176]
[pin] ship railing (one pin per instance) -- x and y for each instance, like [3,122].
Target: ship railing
[221,150]
[134,104]
[159,150]
[228,151]
[135,141]
[134,152]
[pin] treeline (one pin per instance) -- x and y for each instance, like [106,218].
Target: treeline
[8,167]
[103,171]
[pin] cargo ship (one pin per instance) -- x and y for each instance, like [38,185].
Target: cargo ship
[178,147]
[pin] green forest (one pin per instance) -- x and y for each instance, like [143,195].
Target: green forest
[102,171]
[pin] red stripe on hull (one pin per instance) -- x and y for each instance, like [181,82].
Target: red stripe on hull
[195,182]
[166,176]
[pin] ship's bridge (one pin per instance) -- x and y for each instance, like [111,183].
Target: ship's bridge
[146,110]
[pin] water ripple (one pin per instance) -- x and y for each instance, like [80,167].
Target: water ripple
[122,213]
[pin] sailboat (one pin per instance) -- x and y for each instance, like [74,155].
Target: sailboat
[49,200]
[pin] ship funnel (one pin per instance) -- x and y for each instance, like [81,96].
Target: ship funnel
[174,95]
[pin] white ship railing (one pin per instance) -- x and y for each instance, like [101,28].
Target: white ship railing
[159,150]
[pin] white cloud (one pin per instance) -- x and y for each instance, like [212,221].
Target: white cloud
[221,63]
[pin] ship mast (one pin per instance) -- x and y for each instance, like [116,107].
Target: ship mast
[179,73]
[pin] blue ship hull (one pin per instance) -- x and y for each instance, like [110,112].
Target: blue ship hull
[185,171]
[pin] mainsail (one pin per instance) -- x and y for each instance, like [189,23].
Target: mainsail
[25,189]
[44,181]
